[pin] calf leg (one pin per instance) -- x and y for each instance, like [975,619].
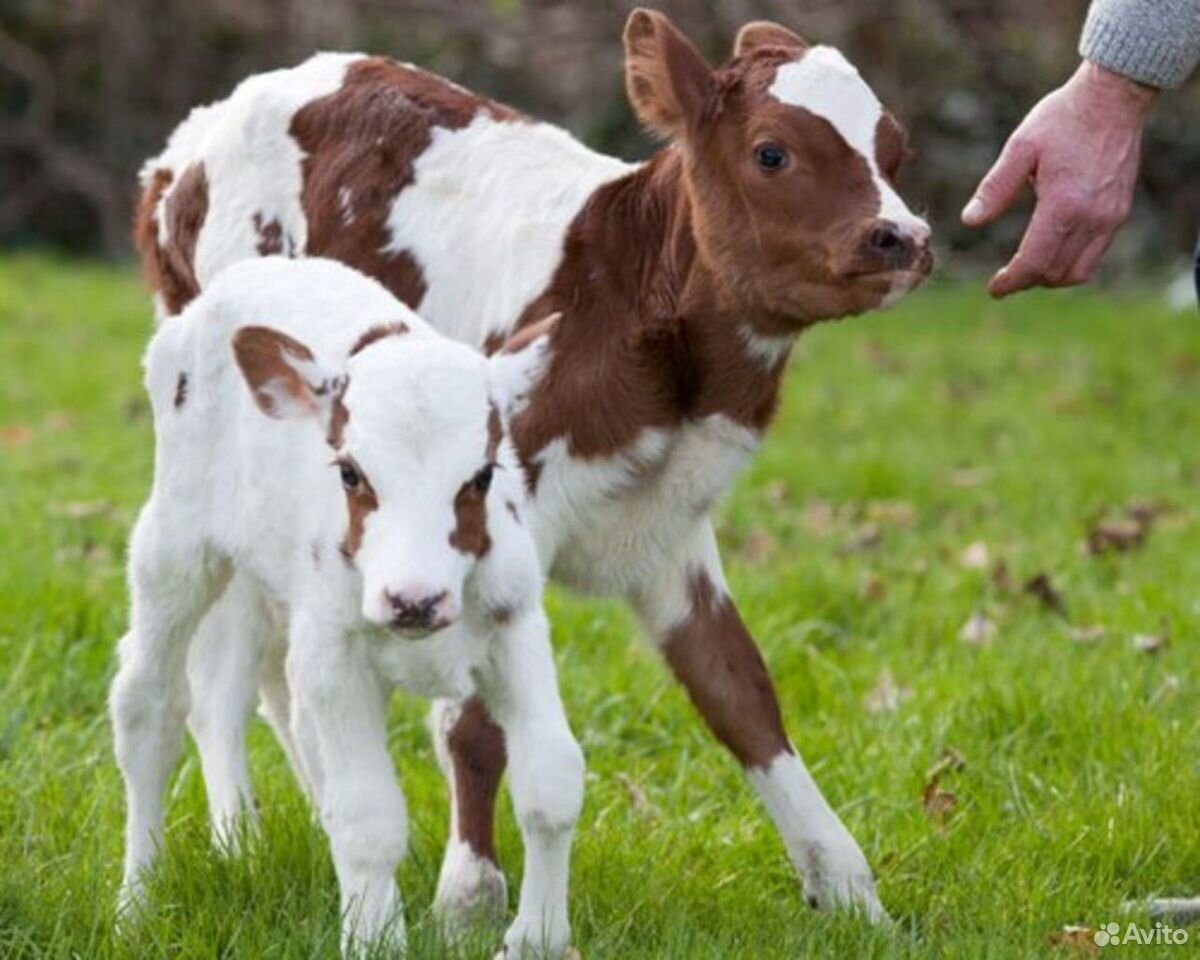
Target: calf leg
[341,704]
[172,583]
[471,753]
[711,653]
[546,780]
[223,673]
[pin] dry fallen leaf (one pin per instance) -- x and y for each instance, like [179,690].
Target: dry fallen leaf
[936,802]
[1108,536]
[759,548]
[1075,939]
[1041,586]
[978,631]
[886,696]
[866,537]
[898,512]
[966,477]
[15,436]
[1087,634]
[976,556]
[1001,578]
[872,588]
[1150,642]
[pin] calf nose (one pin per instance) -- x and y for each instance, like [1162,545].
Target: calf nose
[419,609]
[898,247]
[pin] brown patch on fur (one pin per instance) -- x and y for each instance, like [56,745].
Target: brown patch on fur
[640,342]
[363,138]
[181,388]
[260,353]
[502,616]
[359,504]
[339,416]
[715,658]
[512,509]
[170,269]
[270,237]
[376,333]
[470,533]
[477,752]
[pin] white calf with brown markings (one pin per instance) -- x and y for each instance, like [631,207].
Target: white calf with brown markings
[682,282]
[348,469]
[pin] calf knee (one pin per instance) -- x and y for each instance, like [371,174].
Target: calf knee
[548,792]
[367,827]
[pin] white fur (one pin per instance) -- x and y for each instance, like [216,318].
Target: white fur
[485,218]
[827,84]
[241,495]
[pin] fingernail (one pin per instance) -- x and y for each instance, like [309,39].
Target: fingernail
[973,210]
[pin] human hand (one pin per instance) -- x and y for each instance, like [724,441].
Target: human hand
[1079,148]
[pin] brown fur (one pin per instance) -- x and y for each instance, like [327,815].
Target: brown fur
[376,333]
[364,138]
[359,503]
[271,238]
[470,533]
[715,658]
[181,389]
[171,269]
[478,755]
[260,355]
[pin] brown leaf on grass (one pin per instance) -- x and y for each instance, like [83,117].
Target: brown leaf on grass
[819,517]
[17,435]
[967,477]
[776,493]
[978,631]
[937,802]
[1115,536]
[1078,940]
[975,556]
[897,512]
[1001,577]
[872,588]
[81,509]
[886,696]
[759,547]
[1088,634]
[1041,586]
[1151,642]
[866,537]
[1125,533]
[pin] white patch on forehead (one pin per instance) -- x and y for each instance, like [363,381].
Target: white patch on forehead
[825,83]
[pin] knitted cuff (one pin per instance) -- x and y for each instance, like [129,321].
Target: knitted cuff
[1122,48]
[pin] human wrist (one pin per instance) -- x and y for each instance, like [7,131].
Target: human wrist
[1115,92]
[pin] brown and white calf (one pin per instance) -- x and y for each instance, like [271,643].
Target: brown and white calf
[349,466]
[682,283]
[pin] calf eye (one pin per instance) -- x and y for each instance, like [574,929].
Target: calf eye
[350,476]
[770,157]
[482,481]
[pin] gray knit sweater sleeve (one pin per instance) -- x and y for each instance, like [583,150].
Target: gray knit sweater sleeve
[1156,42]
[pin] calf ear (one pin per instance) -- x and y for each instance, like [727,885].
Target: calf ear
[763,33]
[516,366]
[666,78]
[285,379]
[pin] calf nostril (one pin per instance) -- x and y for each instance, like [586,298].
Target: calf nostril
[414,613]
[886,237]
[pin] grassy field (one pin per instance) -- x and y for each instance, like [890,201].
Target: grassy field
[927,464]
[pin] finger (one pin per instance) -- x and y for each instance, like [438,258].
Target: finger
[1016,275]
[1001,185]
[1034,257]
[1085,265]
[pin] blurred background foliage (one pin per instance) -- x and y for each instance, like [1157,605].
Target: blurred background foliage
[89,88]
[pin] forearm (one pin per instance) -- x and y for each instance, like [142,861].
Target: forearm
[1155,42]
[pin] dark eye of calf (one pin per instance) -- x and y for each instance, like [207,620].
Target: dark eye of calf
[351,478]
[770,157]
[482,481]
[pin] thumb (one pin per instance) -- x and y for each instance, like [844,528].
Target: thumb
[1001,186]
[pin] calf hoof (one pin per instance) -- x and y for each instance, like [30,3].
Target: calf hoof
[847,887]
[525,941]
[471,890]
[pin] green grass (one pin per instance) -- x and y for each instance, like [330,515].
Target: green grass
[911,435]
